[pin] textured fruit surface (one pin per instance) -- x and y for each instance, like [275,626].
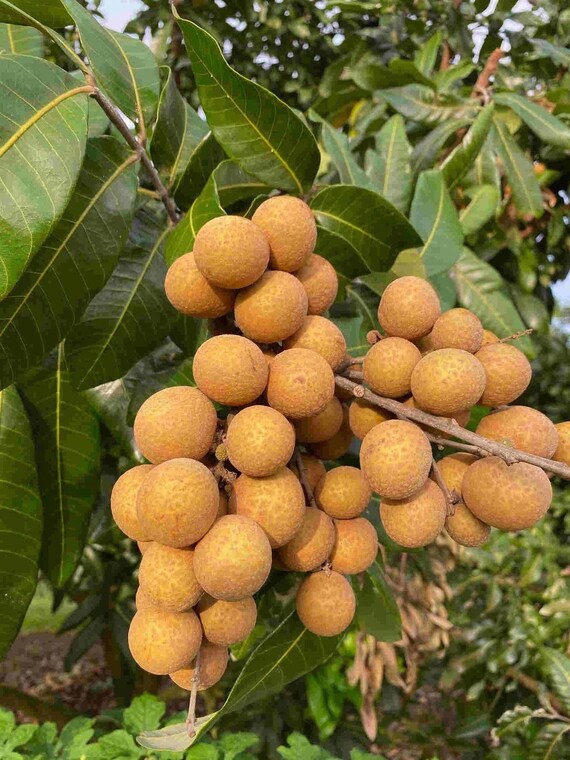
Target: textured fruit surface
[461,418]
[458,328]
[178,502]
[447,380]
[362,417]
[395,458]
[301,383]
[271,309]
[233,559]
[213,664]
[453,468]
[388,366]
[408,308]
[226,623]
[417,520]
[192,294]
[343,492]
[231,251]
[337,446]
[167,577]
[320,280]
[321,426]
[488,338]
[230,369]
[314,469]
[425,344]
[175,422]
[222,505]
[162,641]
[259,441]
[562,453]
[124,502]
[289,225]
[465,528]
[311,545]
[508,373]
[320,335]
[355,546]
[325,603]
[143,545]
[509,497]
[522,428]
[276,503]
[142,600]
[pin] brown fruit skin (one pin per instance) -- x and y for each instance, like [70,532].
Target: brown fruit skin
[213,664]
[461,417]
[124,502]
[175,422]
[355,547]
[301,383]
[226,623]
[167,577]
[562,453]
[325,603]
[395,459]
[337,446]
[314,469]
[162,641]
[320,335]
[192,294]
[425,344]
[488,338]
[320,280]
[343,493]
[458,328]
[260,441]
[178,502]
[271,309]
[408,308]
[142,600]
[447,380]
[276,503]
[290,227]
[230,369]
[453,468]
[231,251]
[362,417]
[466,529]
[321,426]
[417,520]
[509,497]
[311,545]
[522,428]
[388,366]
[508,373]
[233,560]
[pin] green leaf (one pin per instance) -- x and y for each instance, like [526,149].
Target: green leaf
[119,744]
[74,262]
[144,714]
[559,54]
[377,611]
[263,135]
[389,167]
[22,40]
[67,454]
[191,181]
[556,667]
[445,79]
[420,103]
[233,184]
[48,12]
[110,402]
[341,254]
[462,157]
[520,174]
[485,170]
[532,310]
[481,208]
[43,129]
[546,126]
[425,153]
[409,70]
[426,56]
[143,73]
[547,744]
[336,145]
[20,516]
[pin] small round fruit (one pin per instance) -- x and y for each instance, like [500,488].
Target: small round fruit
[289,225]
[343,493]
[213,664]
[260,441]
[230,369]
[337,446]
[167,577]
[124,501]
[313,467]
[417,520]
[447,380]
[320,280]
[508,373]
[321,426]
[562,453]
[271,309]
[142,600]
[311,545]
[362,417]
[178,502]
[325,603]
[488,338]
[301,383]
[408,308]
[458,328]
[388,366]
[192,294]
[143,546]
[175,422]
[233,560]
[465,528]
[522,428]
[355,547]
[162,641]
[320,335]
[227,623]
[453,468]
[395,458]
[231,251]
[425,344]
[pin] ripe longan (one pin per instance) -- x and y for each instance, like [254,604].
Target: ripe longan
[325,603]
[453,468]
[343,492]
[522,428]
[167,577]
[388,366]
[321,426]
[425,344]
[465,528]
[301,383]
[320,335]
[408,308]
[458,328]
[362,417]
[355,547]
[313,467]
[290,227]
[562,453]
[213,664]
[227,623]
[143,546]
[175,422]
[162,641]
[260,441]
[311,545]
[508,373]
[488,338]
[320,280]
[446,380]
[192,294]
[337,446]
[124,502]
[417,520]
[142,600]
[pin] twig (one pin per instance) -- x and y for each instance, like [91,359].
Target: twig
[517,335]
[451,497]
[442,442]
[488,70]
[445,57]
[304,480]
[191,719]
[535,686]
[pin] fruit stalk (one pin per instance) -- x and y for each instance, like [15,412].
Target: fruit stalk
[304,480]
[191,719]
[451,497]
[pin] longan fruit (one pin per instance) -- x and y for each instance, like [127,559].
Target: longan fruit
[508,373]
[325,603]
[343,492]
[562,453]
[259,441]
[178,502]
[271,309]
[446,380]
[522,428]
[124,502]
[395,459]
[276,503]
[213,664]
[461,417]
[162,641]
[417,520]
[313,467]
[192,294]
[233,560]
[301,383]
[231,251]
[320,280]
[458,328]
[355,547]
[453,468]
[363,416]
[388,366]
[408,308]
[142,600]
[175,422]
[509,497]
[488,338]
[465,528]
[311,545]
[290,227]
[321,426]
[425,344]
[143,546]
[227,623]
[337,446]
[230,369]
[320,335]
[167,577]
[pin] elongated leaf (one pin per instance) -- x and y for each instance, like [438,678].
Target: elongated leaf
[445,79]
[549,743]
[43,129]
[341,254]
[377,611]
[426,56]
[546,126]
[485,170]
[201,164]
[556,667]
[520,174]
[20,516]
[425,153]
[144,74]
[67,454]
[75,261]
[462,157]
[481,208]
[22,40]
[233,184]
[420,103]
[390,164]
[336,145]
[110,402]
[263,135]
[559,54]
[409,70]
[48,12]
[372,76]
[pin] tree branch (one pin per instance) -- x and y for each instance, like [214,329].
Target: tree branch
[304,480]
[451,497]
[488,70]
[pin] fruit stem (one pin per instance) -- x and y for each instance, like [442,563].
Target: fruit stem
[191,719]
[451,497]
[516,335]
[304,480]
